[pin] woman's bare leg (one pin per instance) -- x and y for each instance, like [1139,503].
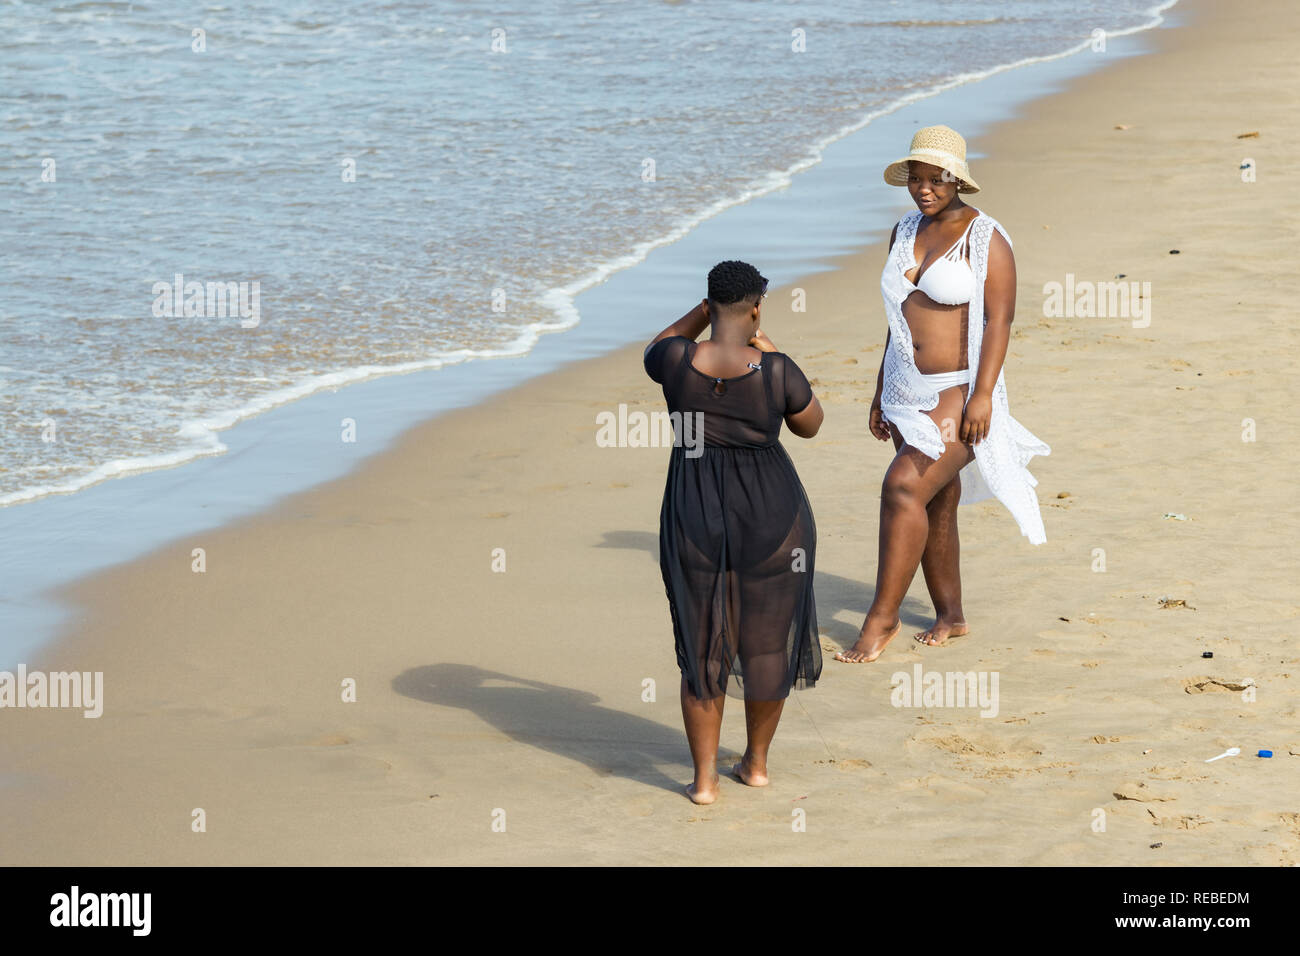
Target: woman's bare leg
[941,561]
[761,718]
[911,483]
[941,565]
[703,720]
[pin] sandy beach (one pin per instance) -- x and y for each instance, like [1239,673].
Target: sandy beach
[501,716]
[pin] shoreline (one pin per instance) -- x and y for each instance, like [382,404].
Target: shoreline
[296,446]
[524,692]
[561,300]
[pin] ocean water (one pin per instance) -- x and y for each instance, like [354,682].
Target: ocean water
[394,186]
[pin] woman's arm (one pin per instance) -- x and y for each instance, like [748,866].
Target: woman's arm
[808,422]
[880,375]
[690,325]
[999,310]
[876,419]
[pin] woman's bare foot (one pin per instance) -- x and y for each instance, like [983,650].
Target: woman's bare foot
[871,643]
[939,632]
[703,794]
[748,773]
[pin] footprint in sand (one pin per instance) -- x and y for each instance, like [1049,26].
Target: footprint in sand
[975,744]
[1176,821]
[853,764]
[1141,792]
[1202,685]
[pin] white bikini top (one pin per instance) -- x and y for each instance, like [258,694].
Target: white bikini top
[948,280]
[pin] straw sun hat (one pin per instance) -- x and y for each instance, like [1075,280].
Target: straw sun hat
[938,146]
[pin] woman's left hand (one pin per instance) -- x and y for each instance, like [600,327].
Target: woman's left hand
[975,420]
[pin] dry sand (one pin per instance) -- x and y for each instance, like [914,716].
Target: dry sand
[521,691]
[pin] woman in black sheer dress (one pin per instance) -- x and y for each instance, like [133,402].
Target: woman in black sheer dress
[736,533]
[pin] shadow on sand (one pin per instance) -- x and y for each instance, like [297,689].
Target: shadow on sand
[568,722]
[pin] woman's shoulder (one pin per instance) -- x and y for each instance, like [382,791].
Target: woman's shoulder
[780,361]
[905,227]
[671,343]
[660,355]
[992,224]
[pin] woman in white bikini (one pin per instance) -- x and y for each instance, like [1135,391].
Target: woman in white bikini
[949,287]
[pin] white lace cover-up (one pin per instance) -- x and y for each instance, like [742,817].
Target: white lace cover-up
[999,469]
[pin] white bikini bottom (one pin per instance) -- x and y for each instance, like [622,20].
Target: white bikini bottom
[941,380]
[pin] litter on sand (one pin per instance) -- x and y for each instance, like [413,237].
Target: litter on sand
[1230,752]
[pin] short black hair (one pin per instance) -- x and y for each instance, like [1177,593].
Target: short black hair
[733,280]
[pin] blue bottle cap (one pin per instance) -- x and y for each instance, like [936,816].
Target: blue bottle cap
[1264,753]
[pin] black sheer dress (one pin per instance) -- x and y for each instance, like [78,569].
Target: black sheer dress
[736,532]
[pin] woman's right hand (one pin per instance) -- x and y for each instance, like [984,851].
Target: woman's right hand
[879,427]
